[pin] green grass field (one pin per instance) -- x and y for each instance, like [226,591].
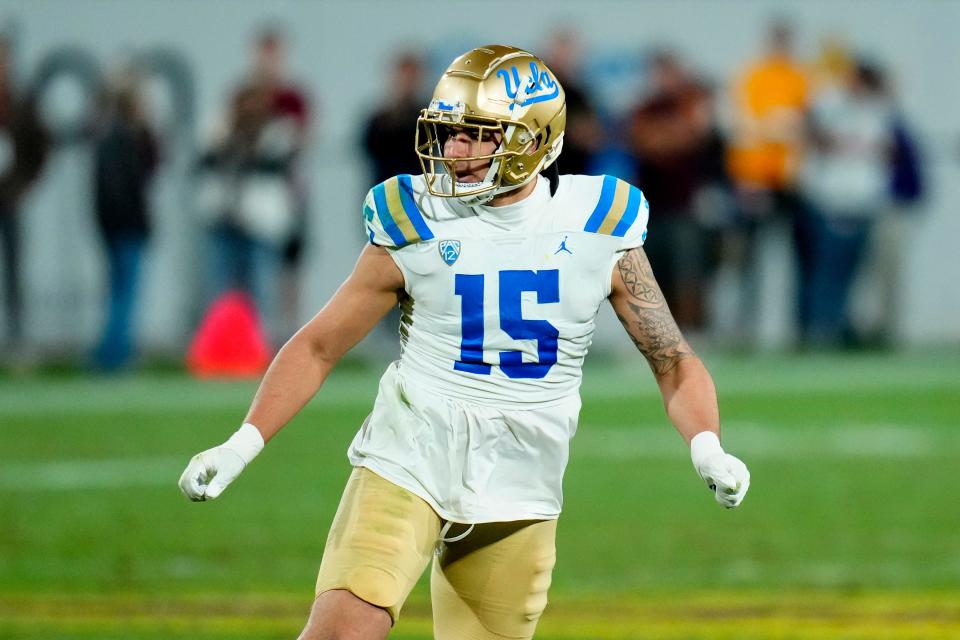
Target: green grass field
[851,528]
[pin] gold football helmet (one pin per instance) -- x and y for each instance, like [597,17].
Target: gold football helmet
[496,93]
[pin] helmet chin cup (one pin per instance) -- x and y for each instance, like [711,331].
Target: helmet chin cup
[478,199]
[471,194]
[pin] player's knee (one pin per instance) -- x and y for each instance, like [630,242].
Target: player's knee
[372,585]
[341,615]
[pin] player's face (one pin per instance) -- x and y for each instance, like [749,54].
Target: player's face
[466,143]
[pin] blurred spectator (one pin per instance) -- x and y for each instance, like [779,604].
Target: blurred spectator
[770,100]
[887,246]
[126,157]
[584,134]
[681,157]
[878,324]
[289,107]
[24,145]
[846,179]
[389,133]
[832,66]
[251,191]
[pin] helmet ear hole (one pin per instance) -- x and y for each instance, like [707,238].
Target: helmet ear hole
[539,140]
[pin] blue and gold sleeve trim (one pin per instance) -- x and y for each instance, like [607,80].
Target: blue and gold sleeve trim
[617,209]
[398,211]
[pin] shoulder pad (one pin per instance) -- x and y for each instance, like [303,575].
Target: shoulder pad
[391,214]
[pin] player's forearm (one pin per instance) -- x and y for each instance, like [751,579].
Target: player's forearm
[690,398]
[294,377]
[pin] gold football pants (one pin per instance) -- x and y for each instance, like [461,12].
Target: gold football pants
[488,586]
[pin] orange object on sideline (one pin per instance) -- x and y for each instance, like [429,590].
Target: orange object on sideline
[230,341]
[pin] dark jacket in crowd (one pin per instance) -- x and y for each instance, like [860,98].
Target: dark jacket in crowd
[388,139]
[30,142]
[126,157]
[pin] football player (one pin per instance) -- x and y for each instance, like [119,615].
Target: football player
[499,271]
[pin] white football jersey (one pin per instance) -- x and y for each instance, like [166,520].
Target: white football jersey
[499,314]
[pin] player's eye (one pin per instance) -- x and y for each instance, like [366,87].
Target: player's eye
[476,133]
[447,132]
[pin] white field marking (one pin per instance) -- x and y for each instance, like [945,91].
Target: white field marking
[640,384]
[755,441]
[107,473]
[97,396]
[815,373]
[603,379]
[880,441]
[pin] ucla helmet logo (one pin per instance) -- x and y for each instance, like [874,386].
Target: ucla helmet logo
[449,251]
[539,85]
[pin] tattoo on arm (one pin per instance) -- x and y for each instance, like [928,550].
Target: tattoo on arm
[646,316]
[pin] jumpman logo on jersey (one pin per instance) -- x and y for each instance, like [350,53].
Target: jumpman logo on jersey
[563,247]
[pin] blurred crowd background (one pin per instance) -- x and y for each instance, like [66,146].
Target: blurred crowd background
[159,160]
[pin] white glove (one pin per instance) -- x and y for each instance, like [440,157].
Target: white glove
[726,475]
[209,472]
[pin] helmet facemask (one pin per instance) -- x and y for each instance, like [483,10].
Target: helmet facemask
[440,121]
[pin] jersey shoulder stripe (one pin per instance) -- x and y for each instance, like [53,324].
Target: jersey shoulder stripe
[617,208]
[398,212]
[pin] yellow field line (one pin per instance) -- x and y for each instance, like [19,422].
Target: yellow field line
[874,616]
[551,628]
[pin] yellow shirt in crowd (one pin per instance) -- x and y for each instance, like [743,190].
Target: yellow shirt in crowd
[771,97]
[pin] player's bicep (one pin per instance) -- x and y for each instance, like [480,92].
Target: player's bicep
[365,297]
[639,304]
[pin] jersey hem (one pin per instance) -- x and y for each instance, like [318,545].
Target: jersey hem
[374,465]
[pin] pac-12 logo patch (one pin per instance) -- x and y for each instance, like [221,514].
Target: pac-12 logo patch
[449,251]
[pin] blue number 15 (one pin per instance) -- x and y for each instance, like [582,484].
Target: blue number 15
[469,287]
